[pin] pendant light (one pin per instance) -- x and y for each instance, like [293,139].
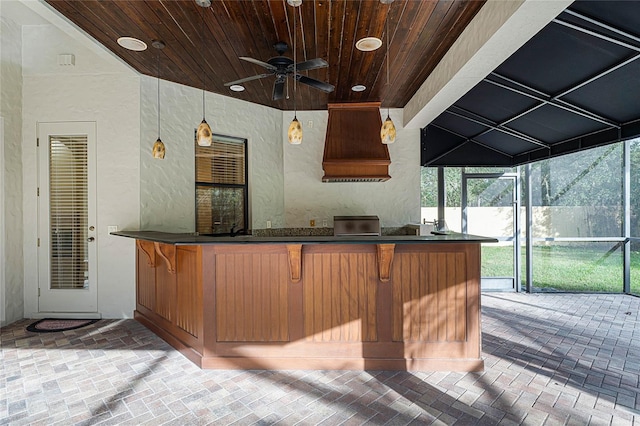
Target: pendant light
[204,134]
[295,128]
[388,130]
[158,147]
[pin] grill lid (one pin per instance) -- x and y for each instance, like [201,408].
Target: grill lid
[356,226]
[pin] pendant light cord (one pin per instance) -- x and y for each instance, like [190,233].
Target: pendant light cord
[387,22]
[295,76]
[158,78]
[204,74]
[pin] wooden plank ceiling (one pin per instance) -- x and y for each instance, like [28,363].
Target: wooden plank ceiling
[421,33]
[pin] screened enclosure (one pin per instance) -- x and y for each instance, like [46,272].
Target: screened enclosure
[573,224]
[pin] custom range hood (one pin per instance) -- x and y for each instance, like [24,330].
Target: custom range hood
[353,151]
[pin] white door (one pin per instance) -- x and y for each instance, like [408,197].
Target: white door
[67,218]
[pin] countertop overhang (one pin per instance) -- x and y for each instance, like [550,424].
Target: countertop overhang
[191,239]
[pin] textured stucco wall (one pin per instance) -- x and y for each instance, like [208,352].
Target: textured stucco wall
[111,99]
[396,202]
[11,191]
[167,191]
[284,179]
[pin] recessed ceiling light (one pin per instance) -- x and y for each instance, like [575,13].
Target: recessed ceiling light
[237,88]
[359,88]
[368,44]
[132,44]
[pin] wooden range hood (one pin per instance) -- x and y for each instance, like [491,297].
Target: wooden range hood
[353,151]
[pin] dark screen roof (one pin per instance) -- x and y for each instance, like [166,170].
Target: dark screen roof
[574,85]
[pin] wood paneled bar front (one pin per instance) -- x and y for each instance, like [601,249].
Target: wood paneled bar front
[370,303]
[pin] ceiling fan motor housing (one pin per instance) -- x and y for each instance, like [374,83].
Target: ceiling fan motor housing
[281,47]
[280,61]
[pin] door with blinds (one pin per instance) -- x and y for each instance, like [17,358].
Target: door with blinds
[67,217]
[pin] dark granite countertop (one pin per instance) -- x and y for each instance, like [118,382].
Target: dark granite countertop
[191,239]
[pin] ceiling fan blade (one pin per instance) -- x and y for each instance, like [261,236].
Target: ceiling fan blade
[311,64]
[317,84]
[244,80]
[278,90]
[259,62]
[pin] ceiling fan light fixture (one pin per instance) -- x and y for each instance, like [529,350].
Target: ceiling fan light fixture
[294,3]
[236,88]
[359,88]
[205,3]
[132,43]
[295,132]
[369,44]
[386,1]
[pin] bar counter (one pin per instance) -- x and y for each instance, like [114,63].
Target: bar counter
[313,302]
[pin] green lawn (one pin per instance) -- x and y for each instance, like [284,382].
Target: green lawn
[569,267]
[635,272]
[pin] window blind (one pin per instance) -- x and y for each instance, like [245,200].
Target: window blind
[222,162]
[68,207]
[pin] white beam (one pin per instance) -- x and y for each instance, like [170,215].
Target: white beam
[499,29]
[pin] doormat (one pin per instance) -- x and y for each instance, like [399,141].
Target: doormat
[53,325]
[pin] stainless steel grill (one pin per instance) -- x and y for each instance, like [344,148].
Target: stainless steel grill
[356,225]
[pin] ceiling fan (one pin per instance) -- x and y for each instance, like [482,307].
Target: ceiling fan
[283,67]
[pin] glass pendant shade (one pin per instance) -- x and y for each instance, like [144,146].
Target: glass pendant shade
[295,132]
[158,149]
[388,131]
[205,137]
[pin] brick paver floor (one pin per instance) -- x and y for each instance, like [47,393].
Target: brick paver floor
[549,359]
